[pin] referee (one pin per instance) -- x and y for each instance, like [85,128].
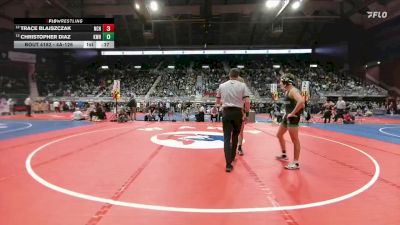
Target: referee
[232,94]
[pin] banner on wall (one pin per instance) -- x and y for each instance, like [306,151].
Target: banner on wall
[274,92]
[22,57]
[305,90]
[116,91]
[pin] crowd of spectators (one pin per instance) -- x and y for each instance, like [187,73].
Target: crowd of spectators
[324,80]
[93,81]
[176,83]
[97,82]
[182,81]
[132,80]
[12,84]
[211,80]
[13,78]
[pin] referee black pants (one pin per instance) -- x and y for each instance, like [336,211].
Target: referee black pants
[231,124]
[339,114]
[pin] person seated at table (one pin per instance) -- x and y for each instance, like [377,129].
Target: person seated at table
[214,113]
[78,115]
[151,114]
[348,118]
[162,110]
[100,112]
[200,115]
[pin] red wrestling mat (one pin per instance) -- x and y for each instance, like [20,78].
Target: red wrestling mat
[317,118]
[363,120]
[173,173]
[40,116]
[52,116]
[380,120]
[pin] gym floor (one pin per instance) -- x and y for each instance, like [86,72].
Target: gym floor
[56,171]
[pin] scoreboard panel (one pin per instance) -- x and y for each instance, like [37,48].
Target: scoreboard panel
[64,33]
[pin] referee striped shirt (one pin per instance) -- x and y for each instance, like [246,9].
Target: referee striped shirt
[232,93]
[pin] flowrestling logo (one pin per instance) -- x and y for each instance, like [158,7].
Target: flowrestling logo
[190,139]
[377,14]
